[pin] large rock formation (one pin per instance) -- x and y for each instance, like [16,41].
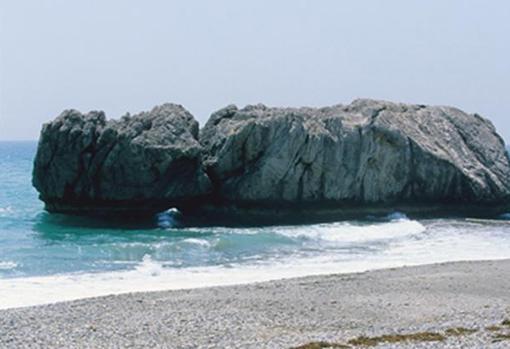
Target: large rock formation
[261,158]
[139,164]
[365,152]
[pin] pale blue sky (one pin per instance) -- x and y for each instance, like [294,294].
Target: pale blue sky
[121,56]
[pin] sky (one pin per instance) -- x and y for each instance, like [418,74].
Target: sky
[130,55]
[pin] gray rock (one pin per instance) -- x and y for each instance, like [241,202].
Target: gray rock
[363,153]
[142,164]
[367,154]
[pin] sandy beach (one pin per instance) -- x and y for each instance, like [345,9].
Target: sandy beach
[451,305]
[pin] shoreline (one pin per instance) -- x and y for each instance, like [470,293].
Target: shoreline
[150,276]
[279,313]
[393,242]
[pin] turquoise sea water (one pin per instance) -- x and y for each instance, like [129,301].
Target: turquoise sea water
[51,249]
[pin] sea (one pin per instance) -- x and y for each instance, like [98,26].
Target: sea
[46,258]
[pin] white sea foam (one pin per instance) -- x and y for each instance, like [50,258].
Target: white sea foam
[151,276]
[347,232]
[8,265]
[148,267]
[397,226]
[443,242]
[199,242]
[5,210]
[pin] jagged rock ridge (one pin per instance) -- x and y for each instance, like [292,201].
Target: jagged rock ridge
[367,152]
[140,163]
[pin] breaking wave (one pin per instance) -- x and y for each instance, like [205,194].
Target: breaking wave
[5,210]
[8,265]
[351,233]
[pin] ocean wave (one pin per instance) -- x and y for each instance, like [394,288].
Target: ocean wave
[394,226]
[397,216]
[149,267]
[505,216]
[452,242]
[156,245]
[348,232]
[150,275]
[168,219]
[6,210]
[199,242]
[8,265]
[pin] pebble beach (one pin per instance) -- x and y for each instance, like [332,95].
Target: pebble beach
[450,305]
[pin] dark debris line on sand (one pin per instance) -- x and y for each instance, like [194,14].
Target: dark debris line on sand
[499,334]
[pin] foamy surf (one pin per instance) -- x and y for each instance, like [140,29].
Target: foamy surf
[199,242]
[352,233]
[393,226]
[7,265]
[68,262]
[4,211]
[445,244]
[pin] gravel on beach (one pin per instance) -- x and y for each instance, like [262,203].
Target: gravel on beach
[454,305]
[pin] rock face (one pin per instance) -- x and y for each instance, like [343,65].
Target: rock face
[142,163]
[366,153]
